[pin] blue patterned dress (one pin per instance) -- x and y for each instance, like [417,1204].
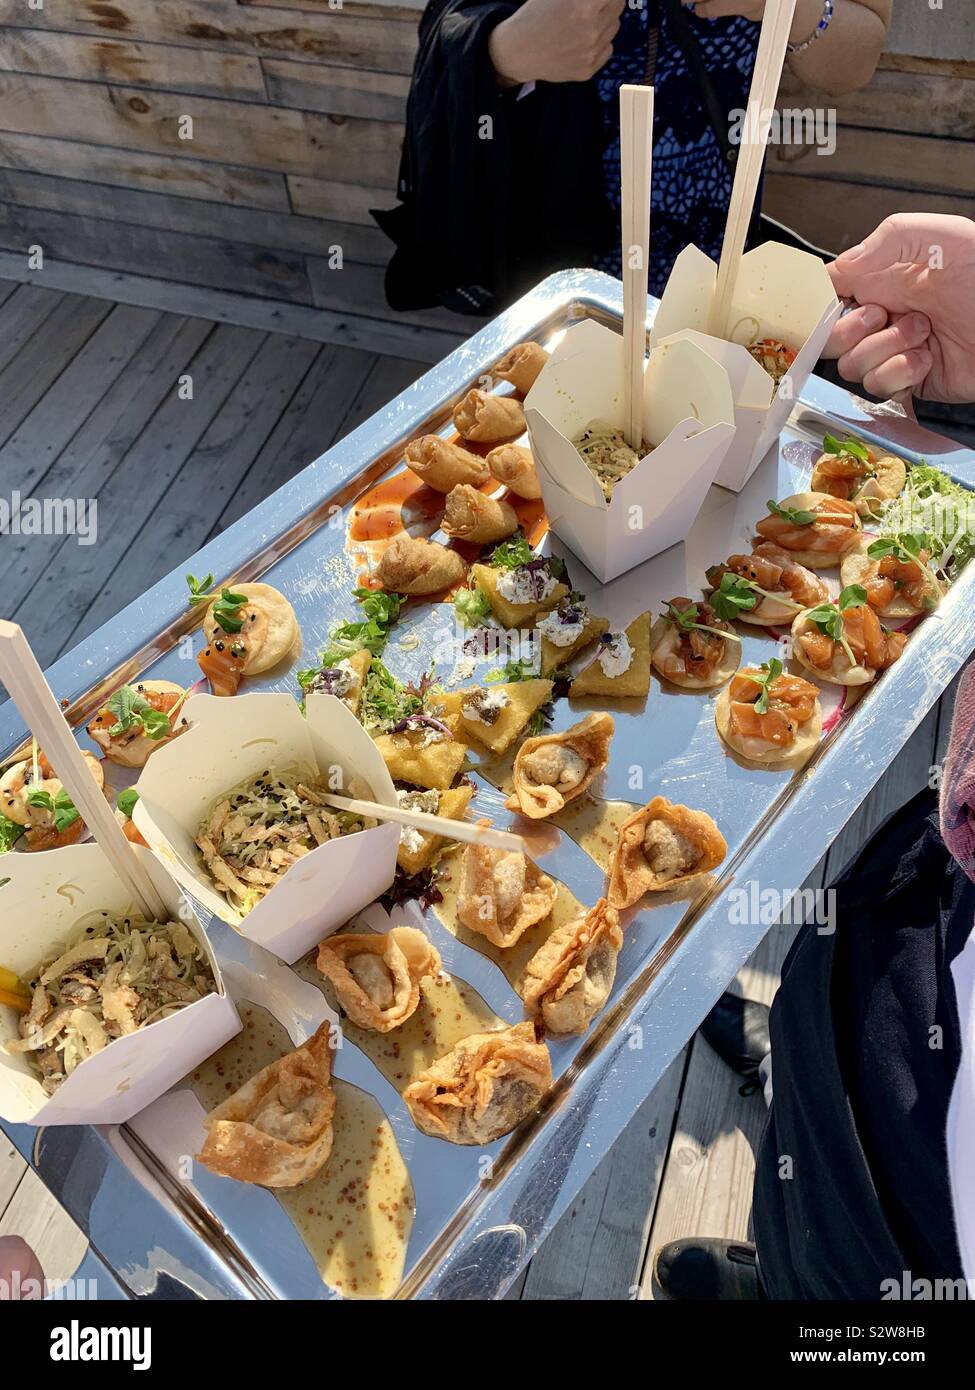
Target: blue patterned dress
[691,180]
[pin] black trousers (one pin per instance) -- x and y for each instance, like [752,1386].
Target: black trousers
[851,1187]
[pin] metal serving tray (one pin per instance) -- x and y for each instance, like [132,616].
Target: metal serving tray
[153,1236]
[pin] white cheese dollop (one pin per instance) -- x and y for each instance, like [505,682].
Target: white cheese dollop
[523,585]
[616,655]
[563,634]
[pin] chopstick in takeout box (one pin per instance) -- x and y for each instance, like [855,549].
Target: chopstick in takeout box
[424,820]
[40,711]
[636,149]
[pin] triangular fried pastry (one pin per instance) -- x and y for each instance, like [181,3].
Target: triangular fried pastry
[660,846]
[423,754]
[485,1086]
[621,666]
[558,654]
[494,714]
[276,1130]
[568,979]
[508,611]
[376,976]
[502,893]
[418,849]
[553,769]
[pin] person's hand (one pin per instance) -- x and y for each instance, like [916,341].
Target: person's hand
[21,1276]
[555,40]
[915,278]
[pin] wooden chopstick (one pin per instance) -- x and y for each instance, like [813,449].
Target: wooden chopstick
[636,146]
[41,713]
[769,60]
[424,820]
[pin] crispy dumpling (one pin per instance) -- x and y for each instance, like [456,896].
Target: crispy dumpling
[276,1130]
[410,565]
[485,1086]
[377,976]
[569,978]
[553,769]
[489,419]
[514,465]
[442,465]
[660,846]
[522,366]
[502,893]
[473,516]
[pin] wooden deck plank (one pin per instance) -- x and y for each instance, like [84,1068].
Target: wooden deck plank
[110,574]
[12,1169]
[42,359]
[39,1218]
[23,314]
[99,446]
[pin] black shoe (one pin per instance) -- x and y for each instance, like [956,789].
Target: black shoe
[737,1029]
[707,1268]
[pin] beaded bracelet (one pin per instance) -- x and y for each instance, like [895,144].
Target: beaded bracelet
[820,29]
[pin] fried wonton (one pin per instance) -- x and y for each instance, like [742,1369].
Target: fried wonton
[512,614]
[276,1130]
[522,366]
[423,754]
[660,846]
[442,465]
[483,1087]
[502,893]
[488,419]
[410,565]
[377,976]
[621,666]
[473,516]
[568,980]
[553,769]
[514,465]
[495,715]
[418,849]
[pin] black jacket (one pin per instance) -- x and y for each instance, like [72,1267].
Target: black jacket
[496,192]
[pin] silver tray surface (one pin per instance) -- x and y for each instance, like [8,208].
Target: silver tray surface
[154,1236]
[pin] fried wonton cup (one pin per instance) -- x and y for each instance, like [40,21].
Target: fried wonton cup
[376,977]
[513,614]
[495,729]
[488,419]
[568,980]
[412,757]
[472,516]
[483,1087]
[554,769]
[276,1130]
[660,846]
[514,465]
[270,628]
[410,565]
[522,366]
[442,465]
[419,849]
[502,893]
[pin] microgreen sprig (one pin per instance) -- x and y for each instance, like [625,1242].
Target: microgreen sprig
[766,676]
[851,446]
[226,605]
[796,516]
[685,620]
[828,617]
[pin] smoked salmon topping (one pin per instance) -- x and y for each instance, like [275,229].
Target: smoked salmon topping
[831,532]
[791,702]
[697,653]
[222,662]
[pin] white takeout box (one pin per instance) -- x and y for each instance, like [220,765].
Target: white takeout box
[688,417]
[789,296]
[45,896]
[231,741]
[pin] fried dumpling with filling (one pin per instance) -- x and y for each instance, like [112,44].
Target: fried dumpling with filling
[494,715]
[268,632]
[419,849]
[410,565]
[472,516]
[485,1086]
[502,893]
[621,666]
[276,1130]
[488,419]
[376,977]
[551,770]
[514,465]
[569,978]
[442,465]
[522,366]
[660,846]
